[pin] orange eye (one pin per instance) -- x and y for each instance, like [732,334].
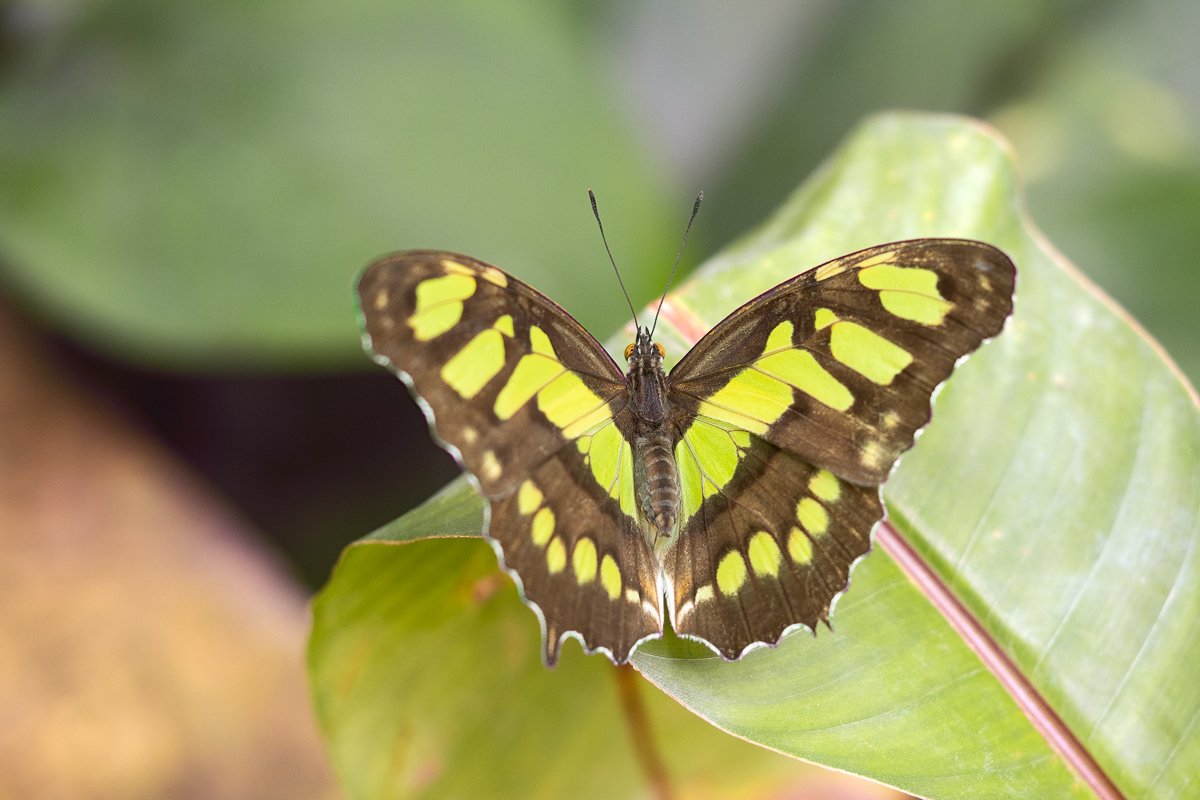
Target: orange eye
[629,351]
[661,353]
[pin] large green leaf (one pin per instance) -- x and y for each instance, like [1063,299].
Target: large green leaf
[1056,492]
[195,184]
[428,681]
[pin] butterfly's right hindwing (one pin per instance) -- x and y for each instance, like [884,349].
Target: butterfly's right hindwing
[581,560]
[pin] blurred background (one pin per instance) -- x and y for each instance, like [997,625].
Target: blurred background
[188,426]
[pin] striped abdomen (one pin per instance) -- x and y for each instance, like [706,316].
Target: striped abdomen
[657,479]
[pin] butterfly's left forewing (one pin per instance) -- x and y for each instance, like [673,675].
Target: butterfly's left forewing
[839,364]
[532,407]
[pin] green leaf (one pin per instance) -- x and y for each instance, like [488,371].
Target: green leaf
[427,676]
[1056,491]
[195,185]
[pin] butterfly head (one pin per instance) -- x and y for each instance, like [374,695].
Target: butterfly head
[643,350]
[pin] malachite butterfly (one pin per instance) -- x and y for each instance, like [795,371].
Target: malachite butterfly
[731,496]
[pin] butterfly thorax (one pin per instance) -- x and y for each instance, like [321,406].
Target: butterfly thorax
[655,475]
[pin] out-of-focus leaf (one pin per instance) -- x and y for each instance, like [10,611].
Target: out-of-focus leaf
[1108,141]
[1056,491]
[195,184]
[873,54]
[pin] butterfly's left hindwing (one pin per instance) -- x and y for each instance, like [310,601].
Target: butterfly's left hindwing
[768,539]
[526,399]
[582,560]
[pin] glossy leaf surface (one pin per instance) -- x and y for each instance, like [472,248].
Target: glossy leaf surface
[1056,491]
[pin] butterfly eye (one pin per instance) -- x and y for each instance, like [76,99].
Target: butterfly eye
[629,351]
[661,352]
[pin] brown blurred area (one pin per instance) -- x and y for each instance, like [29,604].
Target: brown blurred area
[149,648]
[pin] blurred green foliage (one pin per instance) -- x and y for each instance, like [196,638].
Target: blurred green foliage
[193,185]
[196,184]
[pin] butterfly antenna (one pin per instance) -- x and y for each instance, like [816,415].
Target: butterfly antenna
[604,239]
[695,210]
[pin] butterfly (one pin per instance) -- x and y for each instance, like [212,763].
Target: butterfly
[733,494]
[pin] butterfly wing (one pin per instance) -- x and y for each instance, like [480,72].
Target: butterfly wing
[533,408]
[818,385]
[764,548]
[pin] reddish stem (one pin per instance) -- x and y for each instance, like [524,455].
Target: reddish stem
[644,746]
